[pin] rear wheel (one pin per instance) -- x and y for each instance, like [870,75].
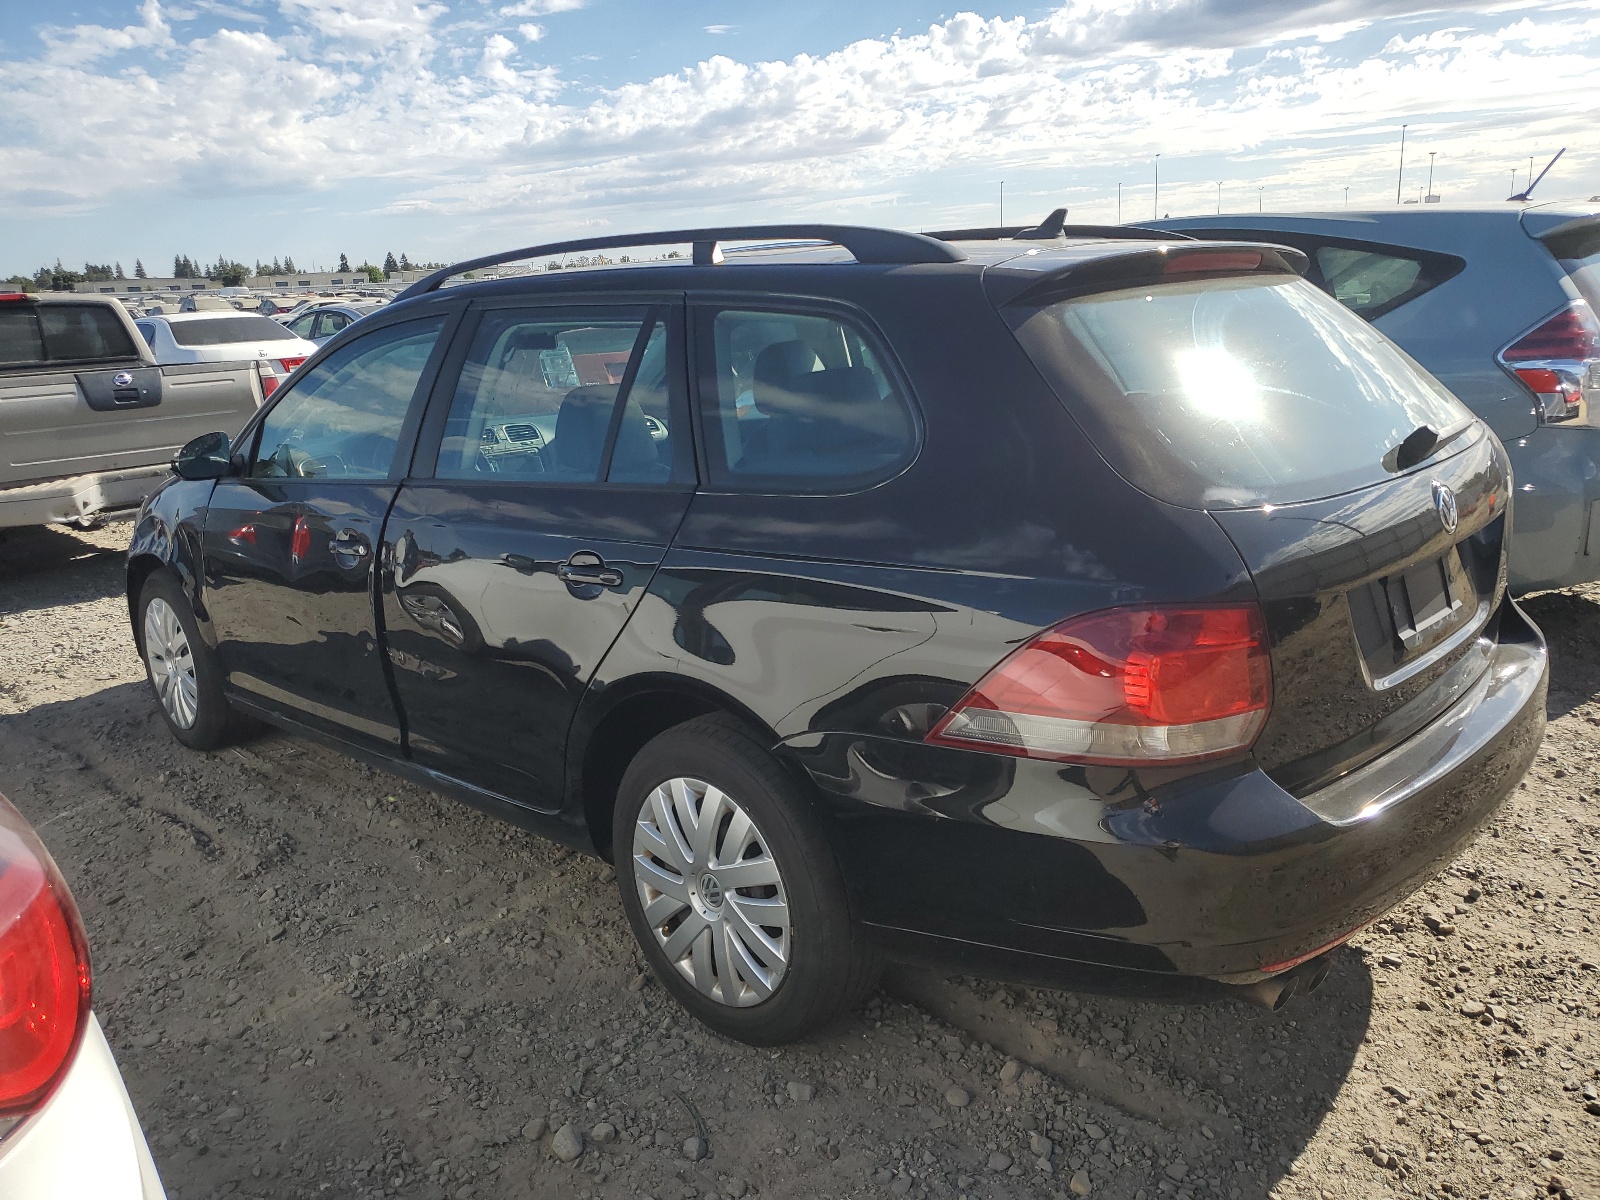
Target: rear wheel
[732,889]
[183,671]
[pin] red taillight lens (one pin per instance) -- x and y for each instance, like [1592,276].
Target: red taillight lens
[1559,362]
[44,970]
[14,297]
[289,364]
[1572,334]
[1127,685]
[1192,262]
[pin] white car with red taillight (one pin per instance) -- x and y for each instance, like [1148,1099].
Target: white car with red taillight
[67,1127]
[227,337]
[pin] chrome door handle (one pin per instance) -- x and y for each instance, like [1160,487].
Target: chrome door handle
[587,569]
[349,542]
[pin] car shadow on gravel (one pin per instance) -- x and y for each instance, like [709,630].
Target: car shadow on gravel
[1216,1082]
[43,566]
[1570,621]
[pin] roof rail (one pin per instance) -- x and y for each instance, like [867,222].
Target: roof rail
[869,245]
[1055,226]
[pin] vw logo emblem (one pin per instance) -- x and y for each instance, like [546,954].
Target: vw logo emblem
[711,891]
[122,379]
[1444,500]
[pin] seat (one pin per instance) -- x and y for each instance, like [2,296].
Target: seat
[832,421]
[580,438]
[636,458]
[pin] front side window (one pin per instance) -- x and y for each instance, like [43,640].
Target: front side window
[800,403]
[342,419]
[562,396]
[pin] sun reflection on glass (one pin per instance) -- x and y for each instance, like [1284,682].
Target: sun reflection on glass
[1218,384]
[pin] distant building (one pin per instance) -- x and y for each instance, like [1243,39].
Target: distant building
[307,281]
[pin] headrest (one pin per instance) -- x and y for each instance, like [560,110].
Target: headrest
[529,337]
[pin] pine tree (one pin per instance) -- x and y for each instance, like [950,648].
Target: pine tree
[120,275]
[277,267]
[288,265]
[138,270]
[405,263]
[390,266]
[344,263]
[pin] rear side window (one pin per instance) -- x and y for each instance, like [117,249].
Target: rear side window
[1235,392]
[1365,281]
[62,333]
[225,331]
[800,403]
[551,395]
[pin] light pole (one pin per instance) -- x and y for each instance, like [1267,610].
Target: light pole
[1347,196]
[1261,199]
[1155,204]
[1431,153]
[1119,201]
[1402,178]
[1219,197]
[1002,203]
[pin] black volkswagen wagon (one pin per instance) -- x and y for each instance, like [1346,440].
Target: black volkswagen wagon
[1067,606]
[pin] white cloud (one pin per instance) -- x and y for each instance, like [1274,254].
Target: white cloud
[720,28]
[446,117]
[540,8]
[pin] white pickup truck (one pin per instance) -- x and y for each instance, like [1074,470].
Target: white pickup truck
[88,421]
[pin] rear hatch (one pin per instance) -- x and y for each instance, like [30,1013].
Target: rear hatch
[1368,504]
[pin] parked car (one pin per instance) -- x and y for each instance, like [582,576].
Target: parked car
[1499,303]
[67,1128]
[227,337]
[88,421]
[319,322]
[198,302]
[1060,608]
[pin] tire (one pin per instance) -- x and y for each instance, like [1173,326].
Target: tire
[785,980]
[189,695]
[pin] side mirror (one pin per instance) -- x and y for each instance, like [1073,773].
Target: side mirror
[208,456]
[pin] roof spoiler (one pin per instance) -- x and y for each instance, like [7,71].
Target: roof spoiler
[1142,266]
[1055,227]
[867,244]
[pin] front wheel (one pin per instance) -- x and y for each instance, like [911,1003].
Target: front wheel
[183,671]
[732,889]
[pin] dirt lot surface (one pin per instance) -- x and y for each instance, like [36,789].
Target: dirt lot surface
[321,982]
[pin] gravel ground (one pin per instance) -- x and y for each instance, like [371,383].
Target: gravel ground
[321,982]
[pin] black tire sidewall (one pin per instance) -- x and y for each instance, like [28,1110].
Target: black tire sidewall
[821,931]
[212,719]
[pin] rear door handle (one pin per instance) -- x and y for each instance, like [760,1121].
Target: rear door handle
[588,569]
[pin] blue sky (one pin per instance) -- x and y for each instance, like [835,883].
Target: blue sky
[444,128]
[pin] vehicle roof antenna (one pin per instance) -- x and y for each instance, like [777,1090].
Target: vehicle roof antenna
[1046,230]
[1528,191]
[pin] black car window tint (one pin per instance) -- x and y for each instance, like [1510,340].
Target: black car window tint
[1363,280]
[342,419]
[20,341]
[800,403]
[537,394]
[73,332]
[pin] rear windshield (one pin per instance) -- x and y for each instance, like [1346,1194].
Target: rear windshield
[45,333]
[1578,251]
[224,331]
[1236,392]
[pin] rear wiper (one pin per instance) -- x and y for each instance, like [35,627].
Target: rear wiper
[1419,444]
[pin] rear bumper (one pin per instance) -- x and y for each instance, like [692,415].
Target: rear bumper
[1048,873]
[78,499]
[85,1144]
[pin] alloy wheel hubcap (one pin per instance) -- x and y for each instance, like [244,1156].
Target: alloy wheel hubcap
[171,663]
[711,892]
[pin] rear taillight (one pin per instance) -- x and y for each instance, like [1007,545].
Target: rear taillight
[44,970]
[1127,686]
[289,364]
[1559,362]
[14,297]
[269,384]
